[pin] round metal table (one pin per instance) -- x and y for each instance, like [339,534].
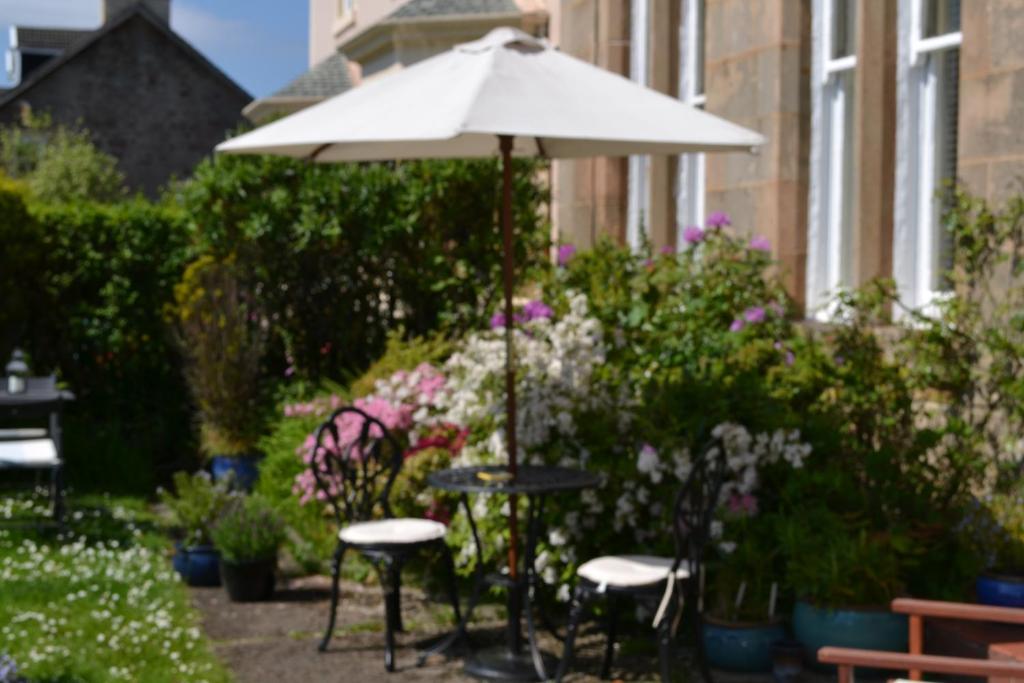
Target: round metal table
[509,663]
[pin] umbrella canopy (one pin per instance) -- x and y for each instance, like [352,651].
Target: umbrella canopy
[507,83]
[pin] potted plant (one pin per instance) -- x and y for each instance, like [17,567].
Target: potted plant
[996,525]
[844,575]
[224,337]
[248,534]
[197,502]
[741,625]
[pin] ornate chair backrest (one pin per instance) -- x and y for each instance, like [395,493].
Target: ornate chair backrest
[695,507]
[355,461]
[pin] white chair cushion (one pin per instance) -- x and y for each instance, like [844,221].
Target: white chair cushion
[393,531]
[29,453]
[630,570]
[22,433]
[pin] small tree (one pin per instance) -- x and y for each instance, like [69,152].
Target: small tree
[59,164]
[223,337]
[969,358]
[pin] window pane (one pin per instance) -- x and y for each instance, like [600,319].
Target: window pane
[940,17]
[844,28]
[698,83]
[945,66]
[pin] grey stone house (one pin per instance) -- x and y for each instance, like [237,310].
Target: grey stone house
[147,97]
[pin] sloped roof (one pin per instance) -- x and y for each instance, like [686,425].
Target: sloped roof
[328,78]
[418,9]
[81,46]
[48,38]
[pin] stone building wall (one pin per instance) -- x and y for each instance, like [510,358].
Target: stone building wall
[991,135]
[146,100]
[757,75]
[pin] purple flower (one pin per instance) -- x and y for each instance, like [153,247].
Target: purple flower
[718,219]
[737,325]
[565,254]
[497,320]
[692,234]
[754,314]
[537,309]
[760,243]
[790,358]
[667,250]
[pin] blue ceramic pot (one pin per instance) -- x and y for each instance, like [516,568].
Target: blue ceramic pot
[738,646]
[867,629]
[245,469]
[1001,590]
[197,565]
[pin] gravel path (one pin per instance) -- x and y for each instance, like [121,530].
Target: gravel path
[276,641]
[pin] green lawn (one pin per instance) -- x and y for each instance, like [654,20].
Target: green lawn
[100,603]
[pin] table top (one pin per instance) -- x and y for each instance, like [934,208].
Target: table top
[38,391]
[529,480]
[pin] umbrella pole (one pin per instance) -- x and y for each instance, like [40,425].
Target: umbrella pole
[508,279]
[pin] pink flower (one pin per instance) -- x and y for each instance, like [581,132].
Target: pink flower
[565,254]
[754,314]
[537,309]
[667,250]
[743,505]
[760,243]
[497,321]
[718,219]
[692,234]
[737,325]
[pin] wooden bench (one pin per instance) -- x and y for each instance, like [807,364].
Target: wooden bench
[1004,662]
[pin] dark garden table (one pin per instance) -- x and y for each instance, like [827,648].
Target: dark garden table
[40,398]
[510,663]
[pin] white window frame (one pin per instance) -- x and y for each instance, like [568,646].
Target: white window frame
[638,192]
[826,243]
[917,91]
[691,183]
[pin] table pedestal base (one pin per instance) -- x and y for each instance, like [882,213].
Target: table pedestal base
[498,664]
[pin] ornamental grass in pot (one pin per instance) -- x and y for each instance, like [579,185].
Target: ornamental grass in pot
[996,525]
[223,335]
[248,534]
[740,625]
[195,504]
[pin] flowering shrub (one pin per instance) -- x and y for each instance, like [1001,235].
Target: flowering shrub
[401,403]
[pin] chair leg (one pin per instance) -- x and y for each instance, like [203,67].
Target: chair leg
[665,646]
[339,552]
[392,610]
[609,647]
[579,605]
[394,593]
[57,495]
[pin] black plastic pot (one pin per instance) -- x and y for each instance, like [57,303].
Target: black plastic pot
[249,581]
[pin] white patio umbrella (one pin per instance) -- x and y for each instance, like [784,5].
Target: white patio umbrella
[509,94]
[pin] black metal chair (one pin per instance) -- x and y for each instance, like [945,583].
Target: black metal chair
[661,582]
[355,478]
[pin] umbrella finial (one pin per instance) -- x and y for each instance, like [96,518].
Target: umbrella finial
[504,36]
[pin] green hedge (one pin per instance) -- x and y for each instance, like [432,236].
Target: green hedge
[340,254]
[84,288]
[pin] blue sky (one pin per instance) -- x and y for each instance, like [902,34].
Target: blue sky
[262,44]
